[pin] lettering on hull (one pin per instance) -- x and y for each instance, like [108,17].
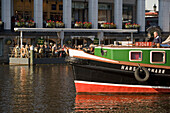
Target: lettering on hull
[153,70]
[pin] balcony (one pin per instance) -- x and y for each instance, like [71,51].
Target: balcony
[82,25]
[53,24]
[106,25]
[25,24]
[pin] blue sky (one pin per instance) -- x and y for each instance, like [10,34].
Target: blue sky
[150,3]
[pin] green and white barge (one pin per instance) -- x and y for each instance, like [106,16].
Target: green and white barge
[122,69]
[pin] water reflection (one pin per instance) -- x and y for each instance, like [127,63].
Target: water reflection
[45,88]
[122,103]
[50,89]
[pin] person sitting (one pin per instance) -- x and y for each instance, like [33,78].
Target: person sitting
[46,51]
[157,40]
[16,51]
[36,50]
[53,49]
[27,51]
[41,50]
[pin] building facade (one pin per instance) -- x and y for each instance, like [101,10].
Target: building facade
[69,12]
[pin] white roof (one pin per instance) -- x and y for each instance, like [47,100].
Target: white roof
[75,30]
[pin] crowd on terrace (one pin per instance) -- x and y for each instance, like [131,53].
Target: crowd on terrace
[47,51]
[40,51]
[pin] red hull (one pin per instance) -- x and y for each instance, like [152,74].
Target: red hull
[113,88]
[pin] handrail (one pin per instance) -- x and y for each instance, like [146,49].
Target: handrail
[16,52]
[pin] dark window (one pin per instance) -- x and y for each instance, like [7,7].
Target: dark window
[79,12]
[135,56]
[158,57]
[53,7]
[60,7]
[105,13]
[127,14]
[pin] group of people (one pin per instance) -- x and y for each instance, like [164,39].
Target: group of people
[40,51]
[86,48]
[21,52]
[50,51]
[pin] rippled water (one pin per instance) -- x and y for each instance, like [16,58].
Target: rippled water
[50,89]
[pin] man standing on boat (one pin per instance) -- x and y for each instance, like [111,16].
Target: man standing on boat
[157,39]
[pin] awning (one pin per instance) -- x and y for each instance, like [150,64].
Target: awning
[151,14]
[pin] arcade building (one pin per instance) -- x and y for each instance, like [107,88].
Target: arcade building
[71,14]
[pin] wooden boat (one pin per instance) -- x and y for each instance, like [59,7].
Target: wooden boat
[122,70]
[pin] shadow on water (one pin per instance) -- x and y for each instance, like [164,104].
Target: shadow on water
[50,89]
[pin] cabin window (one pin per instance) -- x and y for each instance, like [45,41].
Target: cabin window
[103,52]
[135,56]
[157,57]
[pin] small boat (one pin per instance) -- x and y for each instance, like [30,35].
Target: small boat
[115,69]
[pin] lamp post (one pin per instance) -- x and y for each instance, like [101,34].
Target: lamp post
[154,7]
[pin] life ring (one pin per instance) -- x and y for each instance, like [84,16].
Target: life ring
[145,75]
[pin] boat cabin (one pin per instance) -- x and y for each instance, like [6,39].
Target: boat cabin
[146,55]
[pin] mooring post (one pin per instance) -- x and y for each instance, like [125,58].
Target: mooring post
[21,36]
[31,55]
[100,36]
[132,37]
[62,37]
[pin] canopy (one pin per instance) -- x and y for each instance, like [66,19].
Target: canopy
[75,30]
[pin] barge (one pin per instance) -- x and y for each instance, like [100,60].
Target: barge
[121,70]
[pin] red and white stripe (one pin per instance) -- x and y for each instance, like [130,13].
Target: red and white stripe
[79,53]
[94,87]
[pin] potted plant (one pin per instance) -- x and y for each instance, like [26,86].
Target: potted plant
[78,25]
[22,22]
[132,26]
[50,24]
[108,25]
[128,26]
[17,23]
[136,26]
[112,26]
[31,23]
[59,24]
[87,24]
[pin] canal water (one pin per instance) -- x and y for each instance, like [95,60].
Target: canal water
[50,89]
